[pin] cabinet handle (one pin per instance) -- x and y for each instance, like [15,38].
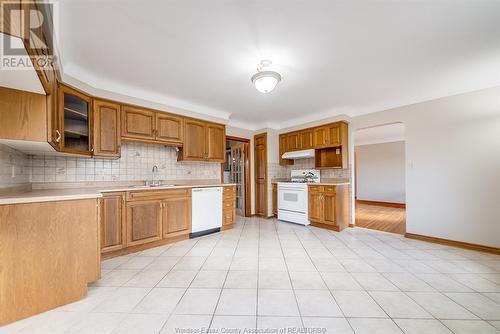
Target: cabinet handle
[58,137]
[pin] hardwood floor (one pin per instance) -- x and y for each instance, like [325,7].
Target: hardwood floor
[381,218]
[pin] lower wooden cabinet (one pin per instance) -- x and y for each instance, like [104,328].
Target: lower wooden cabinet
[112,225]
[144,222]
[176,216]
[229,206]
[329,206]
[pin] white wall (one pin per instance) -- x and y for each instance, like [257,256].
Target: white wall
[453,165]
[380,172]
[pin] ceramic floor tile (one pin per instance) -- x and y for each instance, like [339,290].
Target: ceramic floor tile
[141,323]
[307,280]
[358,304]
[331,325]
[217,263]
[419,326]
[102,323]
[300,264]
[190,263]
[476,282]
[241,280]
[122,300]
[478,304]
[318,303]
[237,302]
[470,326]
[244,263]
[187,324]
[116,278]
[277,303]
[225,323]
[178,279]
[136,263]
[198,301]
[146,279]
[272,264]
[440,306]
[408,282]
[374,326]
[275,324]
[160,301]
[374,282]
[443,283]
[399,305]
[209,279]
[274,280]
[341,281]
[51,322]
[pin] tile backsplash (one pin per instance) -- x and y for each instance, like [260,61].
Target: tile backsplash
[135,164]
[15,167]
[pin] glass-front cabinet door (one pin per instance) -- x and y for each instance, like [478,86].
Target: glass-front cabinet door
[76,121]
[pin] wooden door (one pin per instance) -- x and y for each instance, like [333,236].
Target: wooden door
[260,157]
[143,222]
[315,203]
[138,124]
[282,149]
[194,141]
[334,135]
[292,142]
[176,216]
[169,128]
[216,142]
[320,137]
[113,236]
[306,139]
[107,134]
[329,208]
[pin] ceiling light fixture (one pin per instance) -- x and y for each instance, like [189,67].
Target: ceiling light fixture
[265,81]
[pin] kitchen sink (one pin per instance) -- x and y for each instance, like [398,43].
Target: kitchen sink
[150,186]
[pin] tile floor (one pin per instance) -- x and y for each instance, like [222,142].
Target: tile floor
[265,274]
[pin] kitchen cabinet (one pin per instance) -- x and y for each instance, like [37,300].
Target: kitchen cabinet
[113,224]
[169,128]
[306,139]
[144,222]
[293,141]
[107,134]
[275,199]
[203,141]
[74,133]
[228,206]
[176,216]
[282,149]
[138,124]
[330,142]
[328,206]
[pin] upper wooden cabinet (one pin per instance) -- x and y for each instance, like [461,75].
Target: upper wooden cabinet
[138,124]
[169,128]
[203,141]
[107,136]
[151,126]
[329,141]
[74,133]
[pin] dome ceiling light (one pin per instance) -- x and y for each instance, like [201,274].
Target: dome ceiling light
[265,81]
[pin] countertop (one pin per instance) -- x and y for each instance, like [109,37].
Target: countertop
[66,194]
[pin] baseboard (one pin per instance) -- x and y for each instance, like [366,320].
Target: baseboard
[387,204]
[454,243]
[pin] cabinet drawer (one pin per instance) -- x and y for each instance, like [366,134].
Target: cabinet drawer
[158,194]
[229,190]
[314,188]
[228,217]
[329,189]
[228,204]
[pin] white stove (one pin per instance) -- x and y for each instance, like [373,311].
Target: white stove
[293,197]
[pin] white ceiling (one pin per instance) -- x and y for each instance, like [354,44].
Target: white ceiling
[380,134]
[336,57]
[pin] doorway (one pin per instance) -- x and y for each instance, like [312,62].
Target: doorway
[380,168]
[236,170]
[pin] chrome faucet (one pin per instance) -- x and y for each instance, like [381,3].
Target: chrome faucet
[155,182]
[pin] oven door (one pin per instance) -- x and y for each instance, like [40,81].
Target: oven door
[292,198]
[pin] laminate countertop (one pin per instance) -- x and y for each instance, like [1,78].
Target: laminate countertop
[67,194]
[324,182]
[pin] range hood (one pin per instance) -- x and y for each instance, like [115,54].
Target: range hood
[295,155]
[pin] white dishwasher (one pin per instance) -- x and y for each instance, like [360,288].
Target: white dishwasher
[206,211]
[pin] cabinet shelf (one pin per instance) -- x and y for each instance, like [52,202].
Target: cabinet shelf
[76,113]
